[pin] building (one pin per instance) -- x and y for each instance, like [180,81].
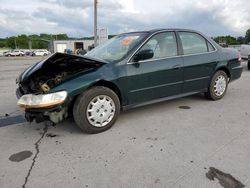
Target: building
[73,45]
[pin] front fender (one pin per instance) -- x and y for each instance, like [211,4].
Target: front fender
[77,85]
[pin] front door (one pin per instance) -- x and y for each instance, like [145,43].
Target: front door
[158,77]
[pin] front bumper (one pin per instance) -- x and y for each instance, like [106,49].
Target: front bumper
[19,93]
[55,114]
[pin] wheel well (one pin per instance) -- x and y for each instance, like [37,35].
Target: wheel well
[226,71]
[111,86]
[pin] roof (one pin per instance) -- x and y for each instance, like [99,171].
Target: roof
[159,30]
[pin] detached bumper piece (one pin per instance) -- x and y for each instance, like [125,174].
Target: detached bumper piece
[38,117]
[55,115]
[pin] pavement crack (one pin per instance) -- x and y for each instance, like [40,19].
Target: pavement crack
[37,144]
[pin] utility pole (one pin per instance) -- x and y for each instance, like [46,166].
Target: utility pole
[15,44]
[95,22]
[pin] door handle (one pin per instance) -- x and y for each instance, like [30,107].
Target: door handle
[176,67]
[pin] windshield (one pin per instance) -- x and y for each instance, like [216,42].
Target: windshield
[116,48]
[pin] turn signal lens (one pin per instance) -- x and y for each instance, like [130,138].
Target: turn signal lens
[239,56]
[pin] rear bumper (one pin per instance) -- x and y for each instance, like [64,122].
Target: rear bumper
[236,72]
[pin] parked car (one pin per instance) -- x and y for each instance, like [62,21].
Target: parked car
[129,70]
[248,63]
[28,52]
[40,53]
[245,51]
[14,53]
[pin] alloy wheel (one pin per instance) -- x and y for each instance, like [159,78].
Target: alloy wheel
[220,85]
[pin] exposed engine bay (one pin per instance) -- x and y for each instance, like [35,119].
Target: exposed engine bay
[53,71]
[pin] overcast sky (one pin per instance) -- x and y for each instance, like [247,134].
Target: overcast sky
[75,17]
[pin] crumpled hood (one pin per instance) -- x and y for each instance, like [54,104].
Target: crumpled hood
[54,58]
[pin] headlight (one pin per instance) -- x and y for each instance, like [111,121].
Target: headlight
[42,101]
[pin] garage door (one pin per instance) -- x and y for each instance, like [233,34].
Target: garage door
[61,47]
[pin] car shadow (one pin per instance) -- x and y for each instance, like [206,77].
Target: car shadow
[69,126]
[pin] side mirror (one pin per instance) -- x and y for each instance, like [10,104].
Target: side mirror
[144,55]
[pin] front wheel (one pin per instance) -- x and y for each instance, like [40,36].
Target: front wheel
[248,64]
[218,86]
[96,110]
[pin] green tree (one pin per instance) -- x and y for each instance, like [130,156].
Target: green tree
[11,42]
[2,43]
[229,40]
[241,40]
[22,41]
[247,37]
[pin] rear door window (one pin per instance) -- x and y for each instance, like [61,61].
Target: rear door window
[193,43]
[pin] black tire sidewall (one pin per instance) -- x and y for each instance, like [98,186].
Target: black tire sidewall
[82,102]
[212,94]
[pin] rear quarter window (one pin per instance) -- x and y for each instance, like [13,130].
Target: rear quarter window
[210,47]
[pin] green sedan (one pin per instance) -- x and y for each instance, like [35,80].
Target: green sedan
[129,70]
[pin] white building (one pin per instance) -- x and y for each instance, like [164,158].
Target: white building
[73,45]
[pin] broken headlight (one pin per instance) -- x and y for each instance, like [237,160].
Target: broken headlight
[42,101]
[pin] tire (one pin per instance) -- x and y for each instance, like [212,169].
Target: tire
[220,79]
[91,106]
[248,64]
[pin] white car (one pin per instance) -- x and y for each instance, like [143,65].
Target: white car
[40,53]
[15,53]
[245,51]
[248,63]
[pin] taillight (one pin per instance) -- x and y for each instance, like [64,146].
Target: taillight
[239,57]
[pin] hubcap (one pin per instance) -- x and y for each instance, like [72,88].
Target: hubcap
[100,111]
[220,85]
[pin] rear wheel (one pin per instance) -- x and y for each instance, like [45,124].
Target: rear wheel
[96,110]
[218,86]
[248,64]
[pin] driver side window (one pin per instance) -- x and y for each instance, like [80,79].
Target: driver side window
[163,45]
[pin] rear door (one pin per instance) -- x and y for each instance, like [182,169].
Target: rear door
[200,61]
[160,76]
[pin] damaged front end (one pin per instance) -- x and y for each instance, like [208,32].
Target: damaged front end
[37,86]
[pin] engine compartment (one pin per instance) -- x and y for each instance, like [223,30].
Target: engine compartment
[55,70]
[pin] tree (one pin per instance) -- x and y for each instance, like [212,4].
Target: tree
[22,41]
[241,40]
[228,40]
[247,37]
[11,42]
[2,43]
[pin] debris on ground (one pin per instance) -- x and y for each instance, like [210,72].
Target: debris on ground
[185,107]
[20,156]
[225,180]
[51,135]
